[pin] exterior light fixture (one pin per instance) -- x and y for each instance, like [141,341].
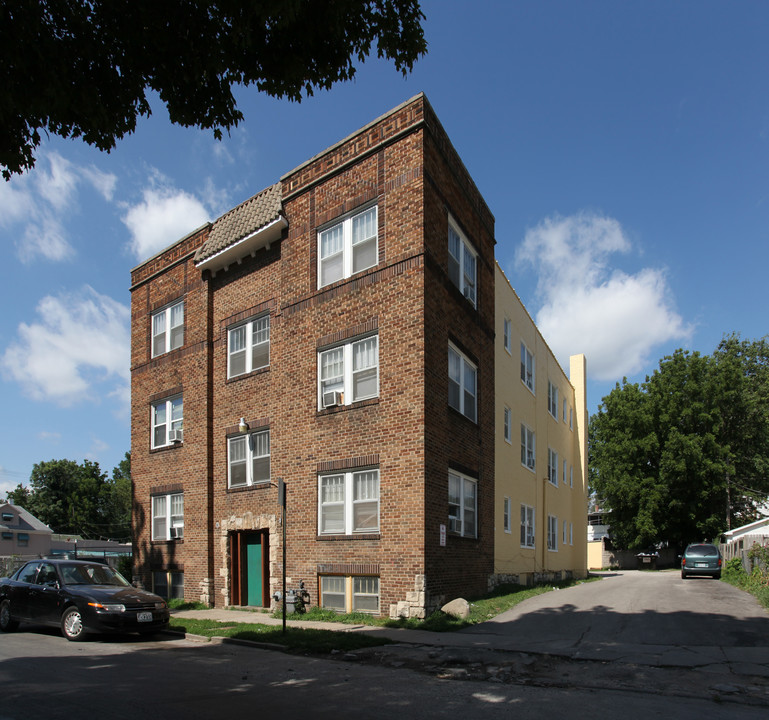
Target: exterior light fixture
[243,425]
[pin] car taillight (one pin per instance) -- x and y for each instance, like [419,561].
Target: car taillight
[683,562]
[719,562]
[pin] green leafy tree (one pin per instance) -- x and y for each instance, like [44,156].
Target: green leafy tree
[684,455]
[82,68]
[79,499]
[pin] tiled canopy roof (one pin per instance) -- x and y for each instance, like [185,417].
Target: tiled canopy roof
[242,222]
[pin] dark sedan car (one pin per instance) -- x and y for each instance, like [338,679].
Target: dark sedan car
[79,597]
[701,559]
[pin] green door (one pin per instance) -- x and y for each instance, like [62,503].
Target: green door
[254,570]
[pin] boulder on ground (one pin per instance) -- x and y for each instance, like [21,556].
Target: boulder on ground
[459,608]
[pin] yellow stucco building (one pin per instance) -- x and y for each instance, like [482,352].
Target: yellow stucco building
[540,523]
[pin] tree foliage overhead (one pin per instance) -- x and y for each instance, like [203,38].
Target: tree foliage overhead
[685,455]
[82,68]
[79,499]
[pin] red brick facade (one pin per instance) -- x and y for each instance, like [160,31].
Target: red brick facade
[405,165]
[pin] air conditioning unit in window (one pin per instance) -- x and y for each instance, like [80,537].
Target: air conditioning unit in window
[175,436]
[332,399]
[177,533]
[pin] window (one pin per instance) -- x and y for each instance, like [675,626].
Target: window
[527,368]
[248,346]
[463,502]
[571,533]
[508,429]
[462,262]
[528,448]
[507,332]
[7,535]
[167,421]
[462,383]
[349,373]
[168,516]
[168,584]
[552,533]
[571,419]
[527,526]
[564,409]
[552,399]
[351,593]
[22,539]
[348,503]
[8,516]
[565,528]
[571,476]
[249,459]
[552,466]
[168,329]
[348,247]
[563,475]
[506,521]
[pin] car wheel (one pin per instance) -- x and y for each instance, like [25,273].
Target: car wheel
[683,575]
[7,623]
[72,624]
[717,576]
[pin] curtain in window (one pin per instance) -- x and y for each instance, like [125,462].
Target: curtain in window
[159,513]
[332,370]
[332,504]
[365,362]
[454,255]
[177,326]
[366,501]
[364,234]
[331,254]
[260,456]
[469,388]
[237,448]
[455,379]
[237,339]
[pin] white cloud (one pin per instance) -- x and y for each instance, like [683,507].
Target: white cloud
[78,342]
[43,200]
[164,215]
[616,319]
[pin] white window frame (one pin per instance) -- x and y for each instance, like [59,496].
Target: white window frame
[506,515]
[172,335]
[552,533]
[342,234]
[508,425]
[463,375]
[463,506]
[347,373]
[507,333]
[552,466]
[256,332]
[528,526]
[552,400]
[571,476]
[571,533]
[571,418]
[350,483]
[565,405]
[245,451]
[528,368]
[172,410]
[565,528]
[563,474]
[463,270]
[528,448]
[349,589]
[168,513]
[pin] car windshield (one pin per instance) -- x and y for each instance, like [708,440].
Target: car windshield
[702,551]
[92,575]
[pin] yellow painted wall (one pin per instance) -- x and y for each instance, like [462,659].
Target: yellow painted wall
[566,501]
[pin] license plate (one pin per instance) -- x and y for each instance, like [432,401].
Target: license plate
[700,565]
[144,617]
[647,560]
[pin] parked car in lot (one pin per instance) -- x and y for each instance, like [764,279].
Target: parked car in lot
[701,559]
[79,597]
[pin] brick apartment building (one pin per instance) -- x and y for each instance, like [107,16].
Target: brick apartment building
[335,331]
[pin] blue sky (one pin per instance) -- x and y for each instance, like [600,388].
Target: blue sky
[623,148]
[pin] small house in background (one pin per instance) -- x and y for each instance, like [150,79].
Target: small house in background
[21,533]
[741,539]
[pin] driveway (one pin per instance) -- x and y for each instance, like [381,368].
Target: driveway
[651,618]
